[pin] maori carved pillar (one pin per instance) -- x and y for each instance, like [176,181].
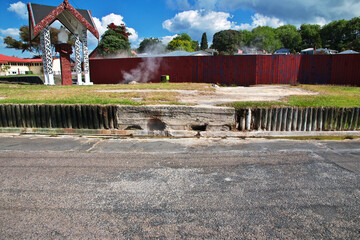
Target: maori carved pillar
[86,57]
[46,52]
[42,45]
[65,51]
[78,59]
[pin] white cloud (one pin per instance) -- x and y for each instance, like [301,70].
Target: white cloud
[165,40]
[291,11]
[19,8]
[319,20]
[195,22]
[102,24]
[259,20]
[294,11]
[12,32]
[134,37]
[2,44]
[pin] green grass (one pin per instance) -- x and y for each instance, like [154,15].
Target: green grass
[26,94]
[329,96]
[22,75]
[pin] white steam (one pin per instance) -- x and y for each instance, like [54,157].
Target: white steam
[142,74]
[155,49]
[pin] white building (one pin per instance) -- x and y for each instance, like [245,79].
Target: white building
[24,66]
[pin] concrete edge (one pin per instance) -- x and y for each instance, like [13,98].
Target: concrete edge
[175,133]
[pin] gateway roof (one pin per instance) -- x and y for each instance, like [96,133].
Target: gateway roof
[73,19]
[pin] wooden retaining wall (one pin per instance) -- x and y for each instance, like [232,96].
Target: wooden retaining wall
[58,116]
[105,117]
[298,119]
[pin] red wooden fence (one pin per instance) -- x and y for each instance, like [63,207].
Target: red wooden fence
[238,70]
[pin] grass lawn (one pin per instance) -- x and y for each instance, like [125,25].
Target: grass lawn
[14,93]
[330,96]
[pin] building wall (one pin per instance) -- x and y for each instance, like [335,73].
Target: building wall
[17,68]
[36,69]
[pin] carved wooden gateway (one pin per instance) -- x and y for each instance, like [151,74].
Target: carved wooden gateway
[77,21]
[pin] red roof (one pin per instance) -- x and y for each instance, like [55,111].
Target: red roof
[41,16]
[6,59]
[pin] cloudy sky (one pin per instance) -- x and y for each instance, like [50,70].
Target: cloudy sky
[165,18]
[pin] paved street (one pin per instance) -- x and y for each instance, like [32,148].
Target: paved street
[96,188]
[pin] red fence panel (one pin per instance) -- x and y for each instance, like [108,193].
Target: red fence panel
[239,70]
[315,69]
[345,69]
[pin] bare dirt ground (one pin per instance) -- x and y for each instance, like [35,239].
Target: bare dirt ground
[231,94]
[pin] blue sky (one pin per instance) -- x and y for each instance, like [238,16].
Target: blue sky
[165,18]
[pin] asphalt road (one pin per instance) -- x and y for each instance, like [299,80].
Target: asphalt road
[93,188]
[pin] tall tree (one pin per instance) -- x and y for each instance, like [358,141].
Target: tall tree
[290,37]
[310,35]
[264,38]
[25,44]
[151,45]
[180,45]
[333,35]
[183,42]
[247,37]
[227,41]
[183,37]
[204,42]
[353,34]
[115,40]
[195,45]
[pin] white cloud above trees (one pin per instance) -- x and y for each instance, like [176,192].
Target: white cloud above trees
[12,32]
[101,25]
[19,8]
[195,22]
[290,11]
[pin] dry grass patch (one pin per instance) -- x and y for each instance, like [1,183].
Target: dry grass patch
[93,95]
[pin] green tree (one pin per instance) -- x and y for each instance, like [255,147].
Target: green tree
[4,68]
[180,45]
[204,42]
[227,41]
[353,34]
[310,35]
[247,37]
[333,35]
[195,45]
[115,40]
[264,38]
[25,44]
[290,37]
[152,45]
[183,36]
[183,42]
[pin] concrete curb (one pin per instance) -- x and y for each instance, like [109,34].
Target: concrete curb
[175,133]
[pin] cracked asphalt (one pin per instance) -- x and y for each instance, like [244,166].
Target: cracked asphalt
[98,188]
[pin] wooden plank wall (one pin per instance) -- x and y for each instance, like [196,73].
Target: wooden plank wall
[233,70]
